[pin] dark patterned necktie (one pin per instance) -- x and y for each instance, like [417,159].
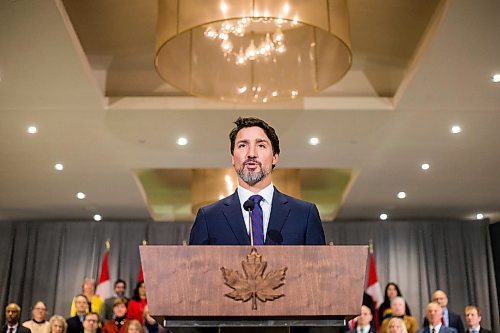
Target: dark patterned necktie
[257,221]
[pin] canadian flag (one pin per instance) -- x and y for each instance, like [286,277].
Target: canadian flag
[140,276]
[373,286]
[103,289]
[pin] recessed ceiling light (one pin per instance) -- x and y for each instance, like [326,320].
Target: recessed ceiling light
[59,166]
[495,78]
[97,217]
[81,195]
[182,141]
[383,216]
[243,89]
[479,216]
[32,130]
[425,166]
[401,195]
[314,141]
[456,129]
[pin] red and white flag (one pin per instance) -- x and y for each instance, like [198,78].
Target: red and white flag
[140,276]
[373,286]
[103,289]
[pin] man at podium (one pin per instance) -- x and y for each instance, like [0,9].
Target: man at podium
[256,212]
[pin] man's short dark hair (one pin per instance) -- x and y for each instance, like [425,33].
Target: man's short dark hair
[120,281]
[92,314]
[255,122]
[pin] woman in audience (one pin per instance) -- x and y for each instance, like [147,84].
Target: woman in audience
[95,302]
[134,326]
[38,324]
[57,324]
[135,309]
[391,291]
[396,325]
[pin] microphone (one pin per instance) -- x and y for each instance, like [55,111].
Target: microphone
[275,236]
[249,205]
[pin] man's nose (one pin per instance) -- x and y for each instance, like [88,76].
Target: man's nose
[252,151]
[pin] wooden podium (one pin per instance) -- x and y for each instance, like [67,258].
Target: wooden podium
[188,286]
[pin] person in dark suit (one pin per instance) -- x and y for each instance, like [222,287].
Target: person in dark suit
[473,320]
[75,323]
[364,322]
[450,319]
[285,220]
[12,314]
[434,316]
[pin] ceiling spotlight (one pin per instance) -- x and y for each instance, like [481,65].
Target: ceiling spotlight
[97,217]
[59,166]
[383,216]
[425,166]
[182,141]
[313,141]
[32,130]
[81,195]
[495,78]
[479,216]
[456,129]
[401,195]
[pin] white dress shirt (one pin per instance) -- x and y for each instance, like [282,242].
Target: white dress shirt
[267,195]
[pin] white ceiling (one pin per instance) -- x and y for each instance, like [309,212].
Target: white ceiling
[50,80]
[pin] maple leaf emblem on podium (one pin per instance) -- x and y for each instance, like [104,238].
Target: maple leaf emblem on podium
[253,285]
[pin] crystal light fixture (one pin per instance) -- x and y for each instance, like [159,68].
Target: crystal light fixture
[251,51]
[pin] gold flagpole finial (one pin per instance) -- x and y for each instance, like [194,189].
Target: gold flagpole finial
[370,246]
[184,242]
[108,244]
[144,242]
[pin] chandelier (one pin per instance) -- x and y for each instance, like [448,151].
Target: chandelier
[251,51]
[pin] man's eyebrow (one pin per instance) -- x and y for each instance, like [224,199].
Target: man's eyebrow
[262,140]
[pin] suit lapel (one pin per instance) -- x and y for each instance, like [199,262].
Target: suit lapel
[279,211]
[234,217]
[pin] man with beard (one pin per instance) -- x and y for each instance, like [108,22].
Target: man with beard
[276,217]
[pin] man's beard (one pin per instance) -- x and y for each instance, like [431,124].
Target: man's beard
[252,177]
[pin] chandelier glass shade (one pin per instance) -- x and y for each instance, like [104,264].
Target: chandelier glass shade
[251,51]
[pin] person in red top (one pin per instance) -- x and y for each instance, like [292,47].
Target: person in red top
[119,323]
[136,305]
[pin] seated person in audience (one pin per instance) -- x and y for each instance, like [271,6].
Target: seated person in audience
[12,325]
[384,311]
[96,304]
[38,324]
[135,308]
[119,322]
[91,323]
[473,320]
[120,287]
[398,310]
[134,326]
[450,319]
[57,324]
[364,322]
[434,315]
[75,323]
[395,325]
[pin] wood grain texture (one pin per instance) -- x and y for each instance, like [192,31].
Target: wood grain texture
[321,281]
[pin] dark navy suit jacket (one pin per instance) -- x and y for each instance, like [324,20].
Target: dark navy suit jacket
[443,329]
[292,222]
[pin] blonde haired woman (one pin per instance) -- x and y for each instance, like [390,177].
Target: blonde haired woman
[396,325]
[57,324]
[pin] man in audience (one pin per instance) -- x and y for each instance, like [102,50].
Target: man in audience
[75,323]
[91,322]
[364,321]
[38,322]
[450,319]
[398,309]
[473,320]
[434,315]
[12,314]
[120,286]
